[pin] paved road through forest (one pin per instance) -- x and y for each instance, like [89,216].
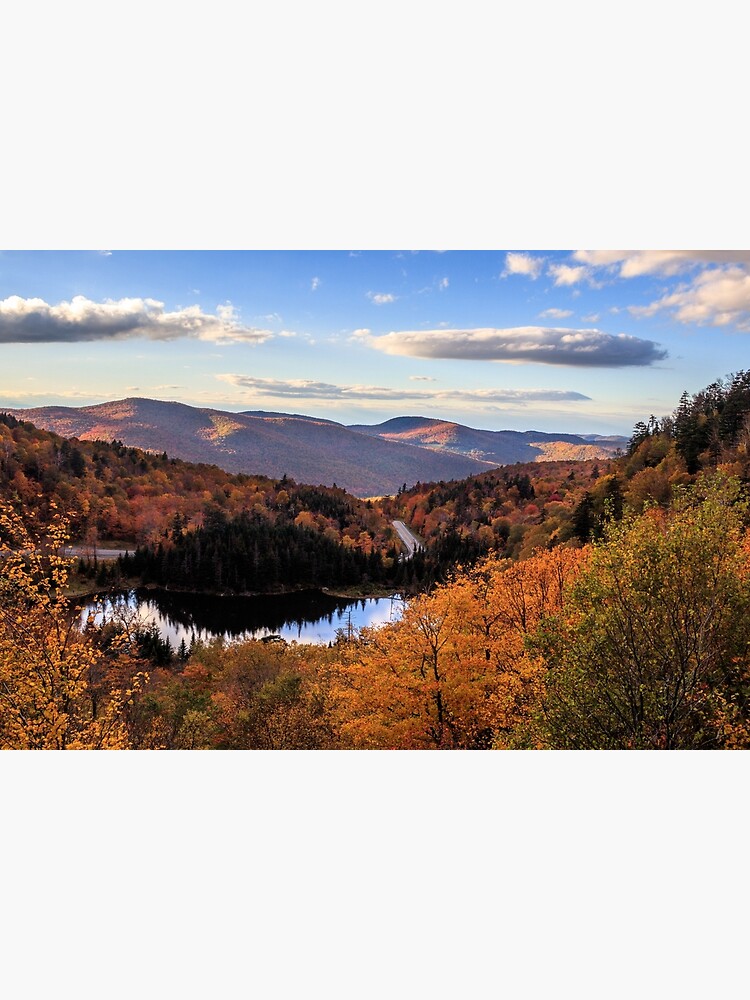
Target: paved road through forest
[89,552]
[411,541]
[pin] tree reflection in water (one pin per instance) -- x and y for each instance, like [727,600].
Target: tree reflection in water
[304,616]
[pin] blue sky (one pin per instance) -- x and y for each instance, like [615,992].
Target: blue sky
[587,341]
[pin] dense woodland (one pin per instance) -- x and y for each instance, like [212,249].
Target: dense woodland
[244,554]
[111,493]
[594,606]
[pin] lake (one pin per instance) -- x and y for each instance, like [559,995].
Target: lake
[305,616]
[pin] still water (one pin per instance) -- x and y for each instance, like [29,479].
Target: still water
[307,616]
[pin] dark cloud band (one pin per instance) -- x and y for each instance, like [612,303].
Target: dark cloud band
[543,345]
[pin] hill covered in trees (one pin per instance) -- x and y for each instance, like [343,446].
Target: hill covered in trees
[163,504]
[115,493]
[111,492]
[517,509]
[639,640]
[364,460]
[199,528]
[612,611]
[272,444]
[707,429]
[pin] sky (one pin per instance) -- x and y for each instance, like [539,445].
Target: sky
[583,341]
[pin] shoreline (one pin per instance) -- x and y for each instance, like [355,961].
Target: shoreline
[344,593]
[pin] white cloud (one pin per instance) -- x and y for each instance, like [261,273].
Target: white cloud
[381,298]
[105,253]
[523,263]
[591,318]
[557,313]
[565,274]
[543,345]
[716,297]
[421,378]
[308,389]
[226,312]
[634,263]
[443,284]
[315,284]
[36,321]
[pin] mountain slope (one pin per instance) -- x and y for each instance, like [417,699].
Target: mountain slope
[308,450]
[495,447]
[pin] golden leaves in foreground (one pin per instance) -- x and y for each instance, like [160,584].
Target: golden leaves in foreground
[51,673]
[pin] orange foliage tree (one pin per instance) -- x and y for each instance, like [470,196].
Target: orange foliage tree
[48,667]
[453,672]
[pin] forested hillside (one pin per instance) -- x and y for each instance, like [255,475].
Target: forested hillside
[199,528]
[637,641]
[113,493]
[606,606]
[272,444]
[708,428]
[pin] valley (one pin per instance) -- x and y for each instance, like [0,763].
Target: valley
[533,594]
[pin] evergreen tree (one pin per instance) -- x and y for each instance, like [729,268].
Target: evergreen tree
[584,519]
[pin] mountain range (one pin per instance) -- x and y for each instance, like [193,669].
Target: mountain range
[493,447]
[366,460]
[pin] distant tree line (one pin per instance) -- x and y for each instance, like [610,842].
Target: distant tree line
[705,425]
[247,554]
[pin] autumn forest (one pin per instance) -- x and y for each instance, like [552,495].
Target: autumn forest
[599,604]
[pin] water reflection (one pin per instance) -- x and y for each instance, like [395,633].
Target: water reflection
[308,616]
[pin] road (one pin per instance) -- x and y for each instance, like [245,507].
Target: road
[411,542]
[88,552]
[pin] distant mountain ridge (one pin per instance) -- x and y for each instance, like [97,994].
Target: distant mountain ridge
[295,416]
[365,460]
[304,448]
[495,447]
